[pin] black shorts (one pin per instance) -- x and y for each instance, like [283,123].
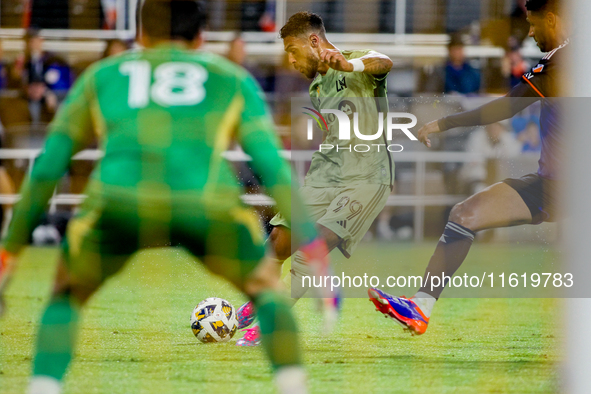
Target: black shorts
[538,193]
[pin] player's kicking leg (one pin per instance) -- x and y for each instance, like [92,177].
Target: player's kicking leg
[499,205]
[280,239]
[343,216]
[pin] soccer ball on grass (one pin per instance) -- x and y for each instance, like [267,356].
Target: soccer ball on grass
[214,320]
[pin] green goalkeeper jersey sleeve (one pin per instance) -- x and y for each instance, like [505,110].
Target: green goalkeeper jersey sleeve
[70,132]
[162,116]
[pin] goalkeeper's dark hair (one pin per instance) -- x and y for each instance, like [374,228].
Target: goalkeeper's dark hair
[302,24]
[543,6]
[173,19]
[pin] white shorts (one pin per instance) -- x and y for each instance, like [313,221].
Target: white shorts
[347,211]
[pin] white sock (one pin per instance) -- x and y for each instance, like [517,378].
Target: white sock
[425,302]
[291,380]
[41,384]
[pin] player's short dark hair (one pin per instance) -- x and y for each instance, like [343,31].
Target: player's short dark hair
[173,19]
[543,6]
[303,23]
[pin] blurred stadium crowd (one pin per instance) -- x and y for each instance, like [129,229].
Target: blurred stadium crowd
[34,80]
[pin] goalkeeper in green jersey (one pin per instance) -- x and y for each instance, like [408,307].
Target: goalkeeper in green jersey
[163,116]
[344,189]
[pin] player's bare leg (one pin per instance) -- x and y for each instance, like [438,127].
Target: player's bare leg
[280,239]
[282,243]
[497,206]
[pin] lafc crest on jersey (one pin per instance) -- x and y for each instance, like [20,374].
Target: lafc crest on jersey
[536,70]
[341,83]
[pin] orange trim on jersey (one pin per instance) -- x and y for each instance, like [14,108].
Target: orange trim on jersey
[532,85]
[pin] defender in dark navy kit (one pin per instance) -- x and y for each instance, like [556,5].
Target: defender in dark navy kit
[526,200]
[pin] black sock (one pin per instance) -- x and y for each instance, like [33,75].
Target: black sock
[450,253]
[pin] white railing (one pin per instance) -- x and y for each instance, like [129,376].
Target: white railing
[419,200]
[397,45]
[124,25]
[217,42]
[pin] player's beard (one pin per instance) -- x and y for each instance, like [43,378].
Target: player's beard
[542,46]
[542,43]
[311,68]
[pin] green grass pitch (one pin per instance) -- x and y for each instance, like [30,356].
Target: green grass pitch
[135,337]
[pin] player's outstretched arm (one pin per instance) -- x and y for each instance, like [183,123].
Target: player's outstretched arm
[373,63]
[429,128]
[65,138]
[68,133]
[519,98]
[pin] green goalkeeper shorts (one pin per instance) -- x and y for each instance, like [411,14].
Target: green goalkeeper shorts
[108,230]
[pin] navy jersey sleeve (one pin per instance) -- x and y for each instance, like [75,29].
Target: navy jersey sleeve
[540,82]
[497,110]
[535,85]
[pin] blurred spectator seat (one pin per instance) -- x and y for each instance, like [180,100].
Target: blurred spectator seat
[252,11]
[387,16]
[333,14]
[5,71]
[25,117]
[19,109]
[288,83]
[49,14]
[462,13]
[66,14]
[11,13]
[25,124]
[22,136]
